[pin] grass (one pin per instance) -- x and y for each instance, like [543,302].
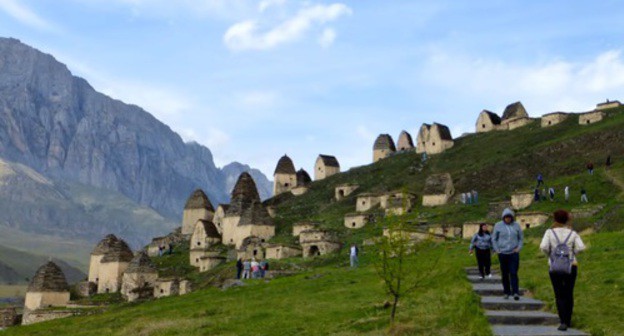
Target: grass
[328,300]
[599,293]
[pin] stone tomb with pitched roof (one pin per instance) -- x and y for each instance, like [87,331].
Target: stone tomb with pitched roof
[383,147]
[552,119]
[325,166]
[488,121]
[303,183]
[48,288]
[438,190]
[246,216]
[344,190]
[197,207]
[204,237]
[591,117]
[285,176]
[434,139]
[405,142]
[109,260]
[139,278]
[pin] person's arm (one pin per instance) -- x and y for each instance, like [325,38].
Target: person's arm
[495,234]
[520,238]
[545,244]
[472,242]
[578,244]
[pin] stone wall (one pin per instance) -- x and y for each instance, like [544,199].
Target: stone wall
[608,105]
[531,219]
[38,300]
[8,317]
[344,190]
[110,274]
[521,201]
[319,248]
[591,117]
[133,281]
[553,119]
[366,202]
[94,268]
[379,154]
[435,200]
[38,316]
[514,123]
[191,216]
[283,183]
[469,229]
[356,221]
[282,251]
[210,261]
[299,227]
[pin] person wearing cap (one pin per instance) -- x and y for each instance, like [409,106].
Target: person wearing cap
[507,241]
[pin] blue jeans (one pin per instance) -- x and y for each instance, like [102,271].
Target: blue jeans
[354,261]
[509,264]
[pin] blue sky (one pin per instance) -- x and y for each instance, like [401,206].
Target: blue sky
[253,80]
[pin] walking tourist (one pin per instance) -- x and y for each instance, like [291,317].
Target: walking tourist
[482,243]
[353,255]
[507,240]
[239,268]
[561,244]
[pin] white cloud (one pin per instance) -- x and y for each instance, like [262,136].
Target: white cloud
[258,99]
[549,86]
[25,15]
[265,4]
[327,37]
[251,34]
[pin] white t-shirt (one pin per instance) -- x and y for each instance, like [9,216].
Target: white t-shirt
[353,251]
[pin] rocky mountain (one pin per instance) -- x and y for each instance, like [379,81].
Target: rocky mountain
[234,169]
[20,266]
[76,165]
[60,126]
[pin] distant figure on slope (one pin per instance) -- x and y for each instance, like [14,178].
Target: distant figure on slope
[353,256]
[246,269]
[469,198]
[566,191]
[584,196]
[536,194]
[590,168]
[161,249]
[551,193]
[608,163]
[482,243]
[463,198]
[239,268]
[540,180]
[423,158]
[475,197]
[543,194]
[170,252]
[561,244]
[507,241]
[264,268]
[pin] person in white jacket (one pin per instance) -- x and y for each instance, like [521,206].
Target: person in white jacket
[563,284]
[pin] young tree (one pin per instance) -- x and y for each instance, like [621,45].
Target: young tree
[397,264]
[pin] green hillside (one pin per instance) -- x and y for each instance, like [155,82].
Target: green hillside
[326,297]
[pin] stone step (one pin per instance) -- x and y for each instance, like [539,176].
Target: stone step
[521,317]
[499,303]
[475,271]
[524,330]
[488,289]
[477,279]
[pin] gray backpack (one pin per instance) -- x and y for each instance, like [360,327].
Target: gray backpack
[561,256]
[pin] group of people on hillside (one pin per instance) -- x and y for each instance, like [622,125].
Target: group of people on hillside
[549,193]
[560,243]
[471,197]
[251,268]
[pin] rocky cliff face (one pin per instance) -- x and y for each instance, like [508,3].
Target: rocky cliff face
[234,169]
[60,126]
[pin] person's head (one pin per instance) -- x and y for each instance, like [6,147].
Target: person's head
[562,218]
[508,216]
[483,228]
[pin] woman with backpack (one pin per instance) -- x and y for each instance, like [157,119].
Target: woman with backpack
[482,242]
[561,244]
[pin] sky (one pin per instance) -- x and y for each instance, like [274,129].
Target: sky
[254,80]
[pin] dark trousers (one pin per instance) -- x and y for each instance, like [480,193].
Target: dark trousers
[509,264]
[563,284]
[484,260]
[239,271]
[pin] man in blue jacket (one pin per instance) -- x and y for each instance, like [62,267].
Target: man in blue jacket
[507,242]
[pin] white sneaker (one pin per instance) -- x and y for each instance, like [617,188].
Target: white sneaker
[490,275]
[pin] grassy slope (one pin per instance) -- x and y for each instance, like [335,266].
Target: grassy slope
[331,299]
[342,301]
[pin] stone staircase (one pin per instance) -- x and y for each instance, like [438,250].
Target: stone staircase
[525,317]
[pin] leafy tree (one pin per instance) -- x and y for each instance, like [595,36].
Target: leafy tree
[398,264]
